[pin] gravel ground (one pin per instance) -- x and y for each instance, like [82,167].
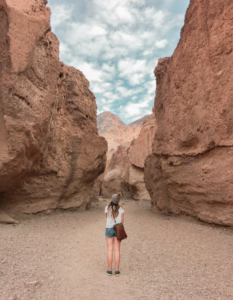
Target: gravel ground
[63,256]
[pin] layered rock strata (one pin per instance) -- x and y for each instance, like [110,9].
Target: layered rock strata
[125,167]
[190,170]
[50,151]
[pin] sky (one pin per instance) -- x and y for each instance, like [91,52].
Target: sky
[117,44]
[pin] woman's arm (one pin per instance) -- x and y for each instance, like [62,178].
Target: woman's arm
[122,218]
[106,214]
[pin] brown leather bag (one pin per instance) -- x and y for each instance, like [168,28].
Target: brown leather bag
[120,231]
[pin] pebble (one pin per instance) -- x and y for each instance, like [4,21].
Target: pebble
[32,283]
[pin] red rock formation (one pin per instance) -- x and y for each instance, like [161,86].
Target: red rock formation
[125,167]
[50,152]
[142,146]
[115,131]
[116,170]
[190,170]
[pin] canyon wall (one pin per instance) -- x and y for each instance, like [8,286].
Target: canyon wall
[115,131]
[125,167]
[190,170]
[50,151]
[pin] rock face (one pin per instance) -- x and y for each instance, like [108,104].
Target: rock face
[142,146]
[50,151]
[114,178]
[190,170]
[125,167]
[115,131]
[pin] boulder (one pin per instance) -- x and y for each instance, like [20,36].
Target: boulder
[50,153]
[190,170]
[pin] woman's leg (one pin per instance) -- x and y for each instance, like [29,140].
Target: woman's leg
[117,245]
[110,251]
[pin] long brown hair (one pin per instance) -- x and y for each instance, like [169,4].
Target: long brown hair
[114,208]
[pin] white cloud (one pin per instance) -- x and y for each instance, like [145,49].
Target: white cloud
[124,14]
[133,70]
[139,2]
[101,87]
[116,44]
[161,44]
[147,52]
[108,68]
[89,71]
[134,98]
[60,13]
[96,31]
[134,110]
[125,92]
[111,97]
[159,19]
[106,107]
[120,38]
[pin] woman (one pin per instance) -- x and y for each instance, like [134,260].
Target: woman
[114,214]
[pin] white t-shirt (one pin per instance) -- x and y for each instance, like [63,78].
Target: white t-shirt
[110,221]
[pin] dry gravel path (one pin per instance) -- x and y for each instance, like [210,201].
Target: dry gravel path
[63,256]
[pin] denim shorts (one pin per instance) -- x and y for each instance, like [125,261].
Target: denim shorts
[110,232]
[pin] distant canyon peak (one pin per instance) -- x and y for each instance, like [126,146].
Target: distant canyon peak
[115,131]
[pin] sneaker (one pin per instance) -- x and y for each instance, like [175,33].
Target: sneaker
[109,273]
[117,273]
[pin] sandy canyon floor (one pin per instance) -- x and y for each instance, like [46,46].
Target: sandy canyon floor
[63,256]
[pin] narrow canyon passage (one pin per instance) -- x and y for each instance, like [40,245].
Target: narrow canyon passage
[63,256]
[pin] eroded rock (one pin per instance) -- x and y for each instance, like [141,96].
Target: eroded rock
[6,219]
[190,170]
[50,152]
[125,167]
[113,179]
[141,147]
[115,131]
